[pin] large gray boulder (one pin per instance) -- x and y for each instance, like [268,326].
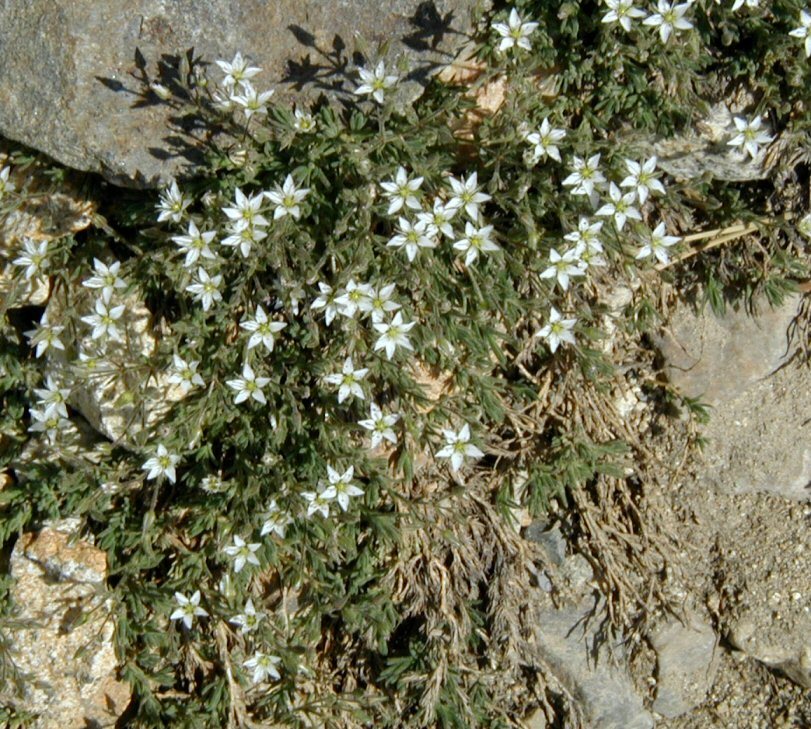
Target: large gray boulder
[72,71]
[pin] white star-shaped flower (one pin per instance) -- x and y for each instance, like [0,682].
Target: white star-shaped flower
[237,71]
[243,237]
[253,102]
[458,447]
[104,319]
[248,386]
[393,335]
[401,191]
[413,236]
[750,135]
[262,329]
[622,12]
[188,609]
[348,381]
[195,244]
[803,32]
[563,267]
[53,396]
[242,553]
[585,175]
[161,464]
[326,300]
[620,207]
[375,82]
[515,32]
[465,194]
[249,619]
[353,298]
[287,198]
[378,302]
[657,245]
[642,178]
[34,258]
[184,374]
[172,204]
[557,330]
[6,186]
[106,278]
[48,420]
[669,18]
[439,218]
[303,122]
[45,335]
[276,521]
[263,666]
[317,501]
[545,141]
[475,241]
[206,289]
[586,233]
[380,426]
[246,209]
[340,487]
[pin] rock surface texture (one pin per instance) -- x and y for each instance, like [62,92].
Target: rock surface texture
[74,71]
[62,637]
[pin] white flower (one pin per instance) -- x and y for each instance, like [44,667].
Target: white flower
[393,335]
[252,101]
[249,619]
[242,553]
[557,330]
[380,426]
[248,386]
[413,236]
[514,32]
[275,521]
[287,198]
[439,218]
[262,329]
[53,396]
[348,381]
[206,289]
[377,301]
[185,374]
[749,135]
[304,122]
[585,175]
[803,33]
[263,666]
[587,233]
[563,267]
[172,204]
[622,12]
[106,278]
[375,82]
[45,335]
[188,608]
[643,178]
[621,207]
[401,191]
[353,298]
[212,484]
[545,141]
[669,17]
[161,464]
[657,245]
[5,184]
[238,71]
[804,226]
[458,447]
[195,244]
[466,194]
[34,258]
[243,237]
[317,501]
[341,487]
[48,420]
[246,209]
[475,241]
[104,319]
[326,300]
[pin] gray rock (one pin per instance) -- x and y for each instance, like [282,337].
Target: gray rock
[73,71]
[549,538]
[61,637]
[787,651]
[566,642]
[687,661]
[717,358]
